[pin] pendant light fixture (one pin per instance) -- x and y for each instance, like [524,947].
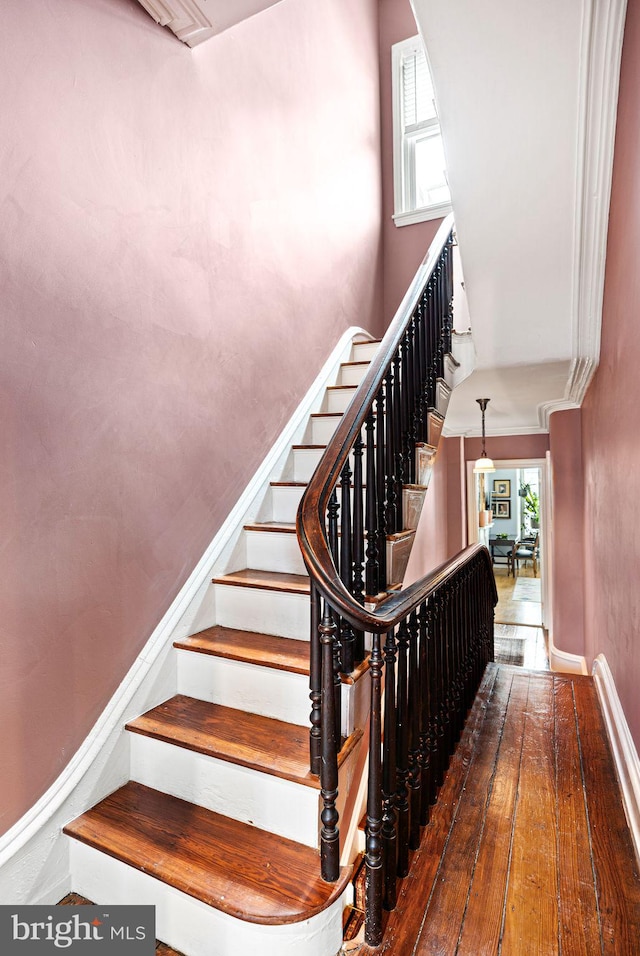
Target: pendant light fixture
[484,464]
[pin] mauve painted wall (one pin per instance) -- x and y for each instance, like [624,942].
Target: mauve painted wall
[505,447]
[185,235]
[404,246]
[610,445]
[567,581]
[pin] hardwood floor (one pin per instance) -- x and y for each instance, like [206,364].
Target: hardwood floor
[528,852]
[522,646]
[509,610]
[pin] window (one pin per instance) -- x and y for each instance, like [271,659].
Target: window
[421,190]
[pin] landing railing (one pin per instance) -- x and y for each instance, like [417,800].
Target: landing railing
[437,633]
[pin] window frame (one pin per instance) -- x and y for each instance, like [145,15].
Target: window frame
[404,141]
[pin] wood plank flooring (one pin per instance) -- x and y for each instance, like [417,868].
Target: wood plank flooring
[508,610]
[528,852]
[523,646]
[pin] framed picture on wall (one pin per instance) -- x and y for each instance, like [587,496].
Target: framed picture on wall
[501,488]
[502,509]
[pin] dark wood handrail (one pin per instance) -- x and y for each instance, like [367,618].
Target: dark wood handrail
[311,523]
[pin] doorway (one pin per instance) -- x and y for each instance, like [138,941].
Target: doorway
[514,528]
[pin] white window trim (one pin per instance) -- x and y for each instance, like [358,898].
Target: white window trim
[402,215]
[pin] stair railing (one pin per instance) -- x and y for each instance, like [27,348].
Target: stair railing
[438,632]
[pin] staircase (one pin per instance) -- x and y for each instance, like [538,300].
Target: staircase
[219,823]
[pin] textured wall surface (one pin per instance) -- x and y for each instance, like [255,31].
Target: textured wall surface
[186,234]
[610,446]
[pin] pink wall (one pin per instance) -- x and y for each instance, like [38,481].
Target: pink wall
[567,580]
[404,246]
[430,544]
[508,446]
[610,445]
[173,222]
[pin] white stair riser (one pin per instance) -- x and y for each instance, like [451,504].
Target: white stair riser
[264,611]
[338,399]
[352,374]
[258,690]
[323,429]
[193,927]
[285,500]
[263,690]
[274,551]
[364,351]
[443,394]
[306,460]
[280,806]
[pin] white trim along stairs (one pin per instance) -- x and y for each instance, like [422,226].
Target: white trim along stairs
[206,742]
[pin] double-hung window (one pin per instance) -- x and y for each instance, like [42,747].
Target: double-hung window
[421,190]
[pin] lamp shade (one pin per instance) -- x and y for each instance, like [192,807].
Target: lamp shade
[483,466]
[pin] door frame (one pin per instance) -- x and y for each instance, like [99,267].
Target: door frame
[545,520]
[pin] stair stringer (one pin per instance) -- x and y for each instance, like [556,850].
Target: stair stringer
[34,854]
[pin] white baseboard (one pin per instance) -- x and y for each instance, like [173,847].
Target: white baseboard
[625,754]
[33,862]
[564,662]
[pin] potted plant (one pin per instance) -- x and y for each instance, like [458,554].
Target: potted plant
[530,505]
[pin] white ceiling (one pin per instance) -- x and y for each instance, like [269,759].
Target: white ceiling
[527,94]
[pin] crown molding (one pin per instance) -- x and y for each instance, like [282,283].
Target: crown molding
[194,21]
[601,51]
[185,18]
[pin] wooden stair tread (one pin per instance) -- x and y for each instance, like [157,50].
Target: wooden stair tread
[266,580]
[267,650]
[264,650]
[289,484]
[332,388]
[243,871]
[327,414]
[237,736]
[285,527]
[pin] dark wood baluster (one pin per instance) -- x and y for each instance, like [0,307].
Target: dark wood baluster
[390,463]
[448,322]
[372,571]
[398,459]
[424,619]
[442,309]
[408,438]
[358,541]
[420,373]
[347,637]
[389,836]
[402,750]
[431,347]
[333,546]
[373,855]
[381,478]
[463,669]
[415,709]
[329,834]
[437,735]
[445,700]
[315,685]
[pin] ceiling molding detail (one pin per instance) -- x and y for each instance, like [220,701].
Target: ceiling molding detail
[601,52]
[184,17]
[194,21]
